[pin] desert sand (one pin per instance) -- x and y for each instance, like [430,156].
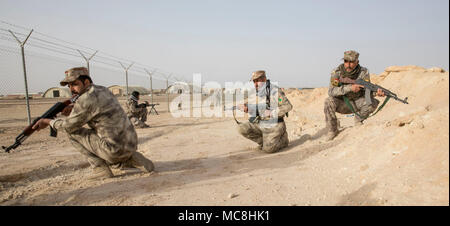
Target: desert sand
[398,157]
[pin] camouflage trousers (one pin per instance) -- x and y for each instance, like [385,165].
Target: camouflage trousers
[270,139]
[96,149]
[139,118]
[333,105]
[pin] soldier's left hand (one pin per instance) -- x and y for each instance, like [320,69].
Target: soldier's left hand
[268,113]
[380,93]
[41,124]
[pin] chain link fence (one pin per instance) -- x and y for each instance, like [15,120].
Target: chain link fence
[47,58]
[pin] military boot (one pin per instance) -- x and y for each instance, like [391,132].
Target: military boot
[358,121]
[101,171]
[144,125]
[139,161]
[331,135]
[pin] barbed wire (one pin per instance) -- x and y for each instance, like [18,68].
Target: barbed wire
[43,69]
[108,57]
[49,48]
[64,60]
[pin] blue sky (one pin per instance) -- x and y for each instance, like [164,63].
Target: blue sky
[298,43]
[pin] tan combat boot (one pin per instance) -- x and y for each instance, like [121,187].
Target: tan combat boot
[144,125]
[139,161]
[101,172]
[358,122]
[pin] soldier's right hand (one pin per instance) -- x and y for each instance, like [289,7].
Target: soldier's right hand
[243,107]
[41,124]
[66,111]
[356,87]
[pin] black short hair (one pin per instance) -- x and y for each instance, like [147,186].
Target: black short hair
[135,94]
[84,77]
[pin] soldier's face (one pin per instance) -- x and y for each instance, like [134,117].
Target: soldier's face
[350,65]
[77,87]
[259,82]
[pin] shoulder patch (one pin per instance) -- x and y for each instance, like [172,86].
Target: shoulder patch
[281,96]
[334,81]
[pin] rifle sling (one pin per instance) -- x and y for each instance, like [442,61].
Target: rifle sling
[347,102]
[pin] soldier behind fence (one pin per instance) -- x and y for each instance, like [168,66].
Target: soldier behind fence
[268,129]
[110,140]
[137,113]
[335,102]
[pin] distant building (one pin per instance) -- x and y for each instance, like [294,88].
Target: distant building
[158,91]
[56,92]
[122,90]
[179,88]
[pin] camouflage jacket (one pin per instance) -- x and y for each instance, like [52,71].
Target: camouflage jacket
[279,104]
[101,111]
[340,90]
[133,108]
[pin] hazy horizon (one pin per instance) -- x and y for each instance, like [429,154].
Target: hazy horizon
[298,43]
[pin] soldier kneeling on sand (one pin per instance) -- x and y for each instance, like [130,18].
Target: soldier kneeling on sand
[266,127]
[137,113]
[362,105]
[110,140]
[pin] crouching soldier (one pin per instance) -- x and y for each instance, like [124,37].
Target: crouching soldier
[348,98]
[137,113]
[266,127]
[110,140]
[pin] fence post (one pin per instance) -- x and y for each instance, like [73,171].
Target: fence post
[126,74]
[167,92]
[151,83]
[87,60]
[22,44]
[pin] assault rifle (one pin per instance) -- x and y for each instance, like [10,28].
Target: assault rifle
[50,114]
[252,110]
[372,87]
[146,104]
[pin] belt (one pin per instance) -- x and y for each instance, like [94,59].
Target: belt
[253,119]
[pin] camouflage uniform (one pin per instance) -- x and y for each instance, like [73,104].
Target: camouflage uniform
[136,113]
[269,133]
[335,103]
[110,138]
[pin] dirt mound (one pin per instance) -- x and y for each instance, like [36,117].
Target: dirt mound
[407,143]
[398,157]
[414,69]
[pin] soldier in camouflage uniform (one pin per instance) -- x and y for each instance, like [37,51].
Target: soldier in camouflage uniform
[110,140]
[268,130]
[354,92]
[137,113]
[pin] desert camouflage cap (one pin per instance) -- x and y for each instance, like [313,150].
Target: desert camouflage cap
[73,74]
[351,55]
[258,74]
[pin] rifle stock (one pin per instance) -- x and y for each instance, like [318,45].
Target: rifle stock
[50,114]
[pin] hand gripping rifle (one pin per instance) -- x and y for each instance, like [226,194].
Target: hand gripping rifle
[252,119]
[146,105]
[372,87]
[50,114]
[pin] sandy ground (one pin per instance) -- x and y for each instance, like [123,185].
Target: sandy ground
[398,157]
